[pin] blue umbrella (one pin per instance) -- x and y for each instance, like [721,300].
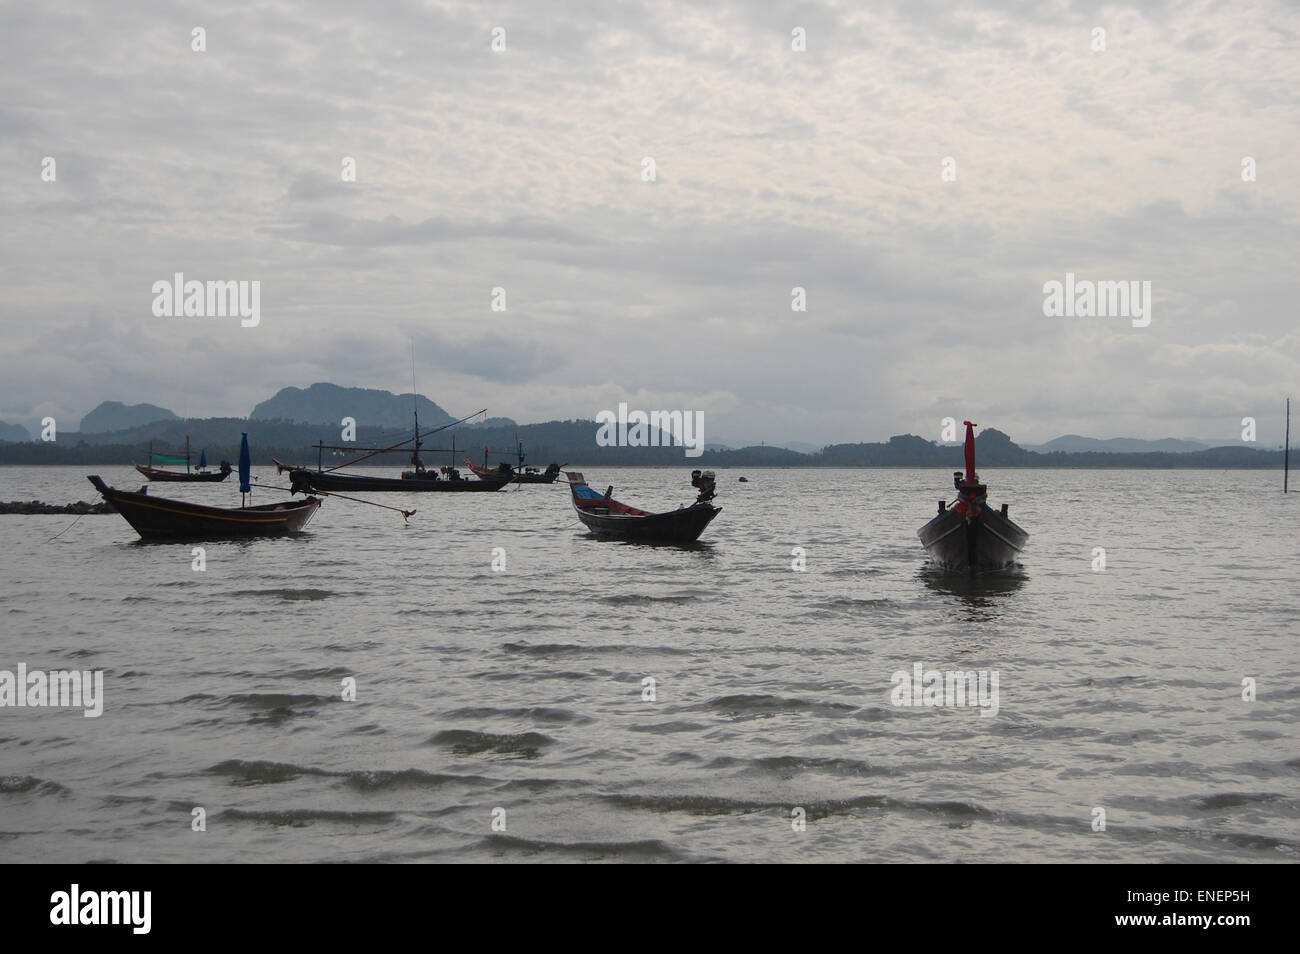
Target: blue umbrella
[203,459]
[245,467]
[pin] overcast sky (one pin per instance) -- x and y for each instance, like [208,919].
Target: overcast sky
[775,168]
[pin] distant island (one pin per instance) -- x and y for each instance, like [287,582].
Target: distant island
[289,424]
[13,433]
[1074,444]
[328,404]
[113,416]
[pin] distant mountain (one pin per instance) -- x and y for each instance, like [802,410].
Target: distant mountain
[1074,444]
[726,444]
[324,403]
[13,433]
[328,404]
[116,416]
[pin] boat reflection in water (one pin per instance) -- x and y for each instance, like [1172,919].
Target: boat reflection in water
[978,590]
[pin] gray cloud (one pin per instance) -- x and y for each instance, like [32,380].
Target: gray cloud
[775,169]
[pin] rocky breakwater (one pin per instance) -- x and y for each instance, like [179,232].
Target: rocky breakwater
[35,506]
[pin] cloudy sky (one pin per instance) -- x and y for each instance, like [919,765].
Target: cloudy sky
[774,168]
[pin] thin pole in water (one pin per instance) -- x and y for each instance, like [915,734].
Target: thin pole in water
[1286,448]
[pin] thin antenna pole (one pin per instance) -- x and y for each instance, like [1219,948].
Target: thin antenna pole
[1286,448]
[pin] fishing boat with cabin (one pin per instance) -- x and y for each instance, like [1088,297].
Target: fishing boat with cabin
[418,479]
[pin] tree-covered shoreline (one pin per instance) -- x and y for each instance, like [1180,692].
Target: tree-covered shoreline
[573,443]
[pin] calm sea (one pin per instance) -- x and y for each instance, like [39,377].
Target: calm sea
[506,714]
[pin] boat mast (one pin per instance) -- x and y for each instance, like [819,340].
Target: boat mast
[187,453]
[415,409]
[1286,448]
[970,451]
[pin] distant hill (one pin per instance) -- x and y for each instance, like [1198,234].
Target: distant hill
[726,444]
[13,433]
[324,403]
[1074,444]
[116,416]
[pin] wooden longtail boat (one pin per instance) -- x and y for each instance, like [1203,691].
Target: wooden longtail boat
[158,517]
[519,474]
[196,477]
[526,475]
[418,479]
[970,536]
[303,480]
[202,475]
[606,517]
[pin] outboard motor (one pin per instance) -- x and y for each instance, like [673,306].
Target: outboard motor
[705,482]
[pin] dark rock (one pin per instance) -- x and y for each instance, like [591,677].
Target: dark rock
[36,507]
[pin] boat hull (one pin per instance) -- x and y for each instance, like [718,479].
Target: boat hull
[198,477]
[303,479]
[677,526]
[987,541]
[159,518]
